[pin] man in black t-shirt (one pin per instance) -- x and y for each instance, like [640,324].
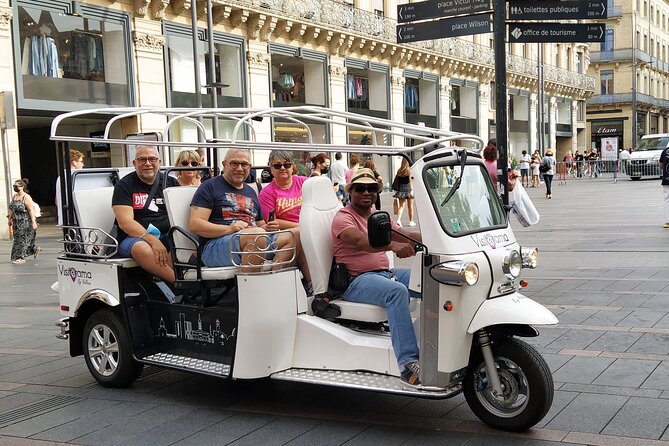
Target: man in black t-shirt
[142,216]
[664,167]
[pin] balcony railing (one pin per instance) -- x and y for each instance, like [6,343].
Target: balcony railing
[343,16]
[627,98]
[621,55]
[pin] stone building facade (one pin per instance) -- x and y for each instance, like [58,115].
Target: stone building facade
[71,55]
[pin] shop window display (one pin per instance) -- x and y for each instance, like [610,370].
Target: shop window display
[63,58]
[228,79]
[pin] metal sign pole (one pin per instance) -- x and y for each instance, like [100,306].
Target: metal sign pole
[499,33]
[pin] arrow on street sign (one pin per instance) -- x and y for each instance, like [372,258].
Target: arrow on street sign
[439,29]
[436,9]
[555,10]
[556,32]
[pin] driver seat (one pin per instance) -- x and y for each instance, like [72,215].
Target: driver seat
[319,206]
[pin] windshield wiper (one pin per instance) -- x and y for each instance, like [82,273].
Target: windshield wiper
[462,155]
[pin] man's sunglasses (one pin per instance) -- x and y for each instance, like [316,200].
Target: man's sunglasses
[362,188]
[286,165]
[191,163]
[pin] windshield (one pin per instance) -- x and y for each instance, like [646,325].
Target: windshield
[473,207]
[653,143]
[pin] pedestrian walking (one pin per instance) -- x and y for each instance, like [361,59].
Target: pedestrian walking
[579,158]
[490,160]
[549,161]
[404,192]
[534,166]
[525,168]
[22,219]
[664,166]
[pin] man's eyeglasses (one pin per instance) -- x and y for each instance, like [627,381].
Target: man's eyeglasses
[236,164]
[362,188]
[147,159]
[286,165]
[191,163]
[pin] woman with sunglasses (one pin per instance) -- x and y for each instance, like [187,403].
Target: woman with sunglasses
[281,200]
[188,158]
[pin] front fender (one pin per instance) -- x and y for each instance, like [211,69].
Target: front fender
[511,309]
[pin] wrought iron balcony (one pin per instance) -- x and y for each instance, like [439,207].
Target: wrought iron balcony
[625,54]
[338,15]
[627,98]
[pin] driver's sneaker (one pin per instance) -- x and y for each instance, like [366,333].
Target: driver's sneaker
[412,223]
[411,374]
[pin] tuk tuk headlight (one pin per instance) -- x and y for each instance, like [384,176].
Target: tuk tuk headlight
[513,263]
[530,257]
[457,272]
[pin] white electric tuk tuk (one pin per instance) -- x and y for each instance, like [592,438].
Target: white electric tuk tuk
[234,323]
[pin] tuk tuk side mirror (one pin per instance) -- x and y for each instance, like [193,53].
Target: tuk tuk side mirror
[379,229]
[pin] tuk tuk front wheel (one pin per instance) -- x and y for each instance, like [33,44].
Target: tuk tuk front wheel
[107,350]
[527,386]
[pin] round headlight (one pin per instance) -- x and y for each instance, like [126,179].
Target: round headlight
[471,273]
[530,257]
[513,263]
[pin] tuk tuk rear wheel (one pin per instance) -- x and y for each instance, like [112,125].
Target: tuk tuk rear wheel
[526,381]
[107,350]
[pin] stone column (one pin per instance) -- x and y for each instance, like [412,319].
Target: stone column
[533,123]
[397,82]
[445,89]
[484,105]
[10,143]
[148,44]
[258,60]
[552,139]
[337,92]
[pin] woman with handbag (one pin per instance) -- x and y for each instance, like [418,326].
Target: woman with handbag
[404,192]
[23,221]
[547,168]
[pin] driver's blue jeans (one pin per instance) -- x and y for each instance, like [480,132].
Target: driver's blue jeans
[378,288]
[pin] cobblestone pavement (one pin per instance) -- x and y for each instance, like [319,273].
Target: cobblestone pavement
[604,271]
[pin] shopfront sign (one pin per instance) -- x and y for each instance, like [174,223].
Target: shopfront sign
[607,129]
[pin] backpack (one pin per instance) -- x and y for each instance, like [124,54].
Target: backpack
[544,166]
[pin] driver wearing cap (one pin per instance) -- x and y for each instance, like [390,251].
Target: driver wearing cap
[372,281]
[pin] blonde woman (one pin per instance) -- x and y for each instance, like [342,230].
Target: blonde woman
[188,158]
[404,192]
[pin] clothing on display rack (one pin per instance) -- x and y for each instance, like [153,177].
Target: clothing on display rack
[86,58]
[357,91]
[40,56]
[410,97]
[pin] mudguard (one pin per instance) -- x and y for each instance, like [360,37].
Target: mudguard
[511,309]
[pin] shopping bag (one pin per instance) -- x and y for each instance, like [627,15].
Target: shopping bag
[522,206]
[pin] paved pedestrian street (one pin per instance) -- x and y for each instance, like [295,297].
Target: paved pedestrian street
[603,270]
